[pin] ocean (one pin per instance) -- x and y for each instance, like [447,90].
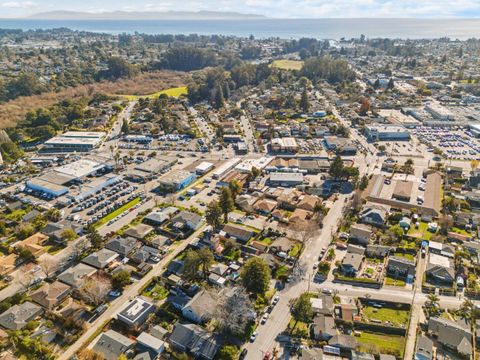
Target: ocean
[264,28]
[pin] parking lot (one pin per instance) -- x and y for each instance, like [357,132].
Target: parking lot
[454,142]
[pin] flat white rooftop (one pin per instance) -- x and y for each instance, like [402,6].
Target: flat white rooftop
[80,168]
[84,134]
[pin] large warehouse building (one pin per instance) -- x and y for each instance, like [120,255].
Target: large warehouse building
[386,132]
[74,141]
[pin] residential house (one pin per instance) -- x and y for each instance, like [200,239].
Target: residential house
[16,317]
[377,251]
[77,275]
[51,295]
[346,312]
[358,355]
[111,345]
[158,217]
[188,219]
[8,264]
[239,233]
[139,231]
[200,308]
[323,328]
[400,267]
[176,267]
[148,342]
[375,215]
[360,233]
[453,335]
[351,263]
[34,244]
[136,312]
[265,206]
[308,202]
[195,340]
[424,348]
[323,304]
[101,259]
[343,342]
[440,269]
[122,245]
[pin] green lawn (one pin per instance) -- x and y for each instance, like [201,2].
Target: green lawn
[422,231]
[266,241]
[460,231]
[172,92]
[158,292]
[405,255]
[117,212]
[288,64]
[294,250]
[301,330]
[395,316]
[382,343]
[394,282]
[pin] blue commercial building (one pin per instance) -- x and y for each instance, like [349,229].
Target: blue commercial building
[175,181]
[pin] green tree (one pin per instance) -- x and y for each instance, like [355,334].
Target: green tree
[125,127]
[191,262]
[213,214]
[219,100]
[256,276]
[228,352]
[304,103]
[205,260]
[96,240]
[235,188]
[68,235]
[121,279]
[302,310]
[336,167]
[363,183]
[226,202]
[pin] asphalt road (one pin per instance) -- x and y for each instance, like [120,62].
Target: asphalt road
[129,294]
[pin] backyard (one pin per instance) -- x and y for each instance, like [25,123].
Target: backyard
[381,343]
[397,317]
[422,232]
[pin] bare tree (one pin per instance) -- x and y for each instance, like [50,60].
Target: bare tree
[95,289]
[79,247]
[50,265]
[25,278]
[234,310]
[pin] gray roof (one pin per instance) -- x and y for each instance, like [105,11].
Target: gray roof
[424,348]
[76,275]
[111,345]
[185,217]
[195,339]
[455,335]
[343,341]
[18,316]
[324,325]
[352,260]
[159,216]
[101,258]
[203,304]
[122,245]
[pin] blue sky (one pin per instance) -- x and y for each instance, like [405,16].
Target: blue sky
[271,8]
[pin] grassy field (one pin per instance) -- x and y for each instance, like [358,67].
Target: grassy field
[405,255]
[172,92]
[301,330]
[381,342]
[288,64]
[397,317]
[422,231]
[394,282]
[117,212]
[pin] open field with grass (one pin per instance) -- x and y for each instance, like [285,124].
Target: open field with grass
[288,64]
[394,316]
[394,282]
[172,92]
[117,212]
[381,343]
[145,83]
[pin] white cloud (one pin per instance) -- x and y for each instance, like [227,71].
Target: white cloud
[18,4]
